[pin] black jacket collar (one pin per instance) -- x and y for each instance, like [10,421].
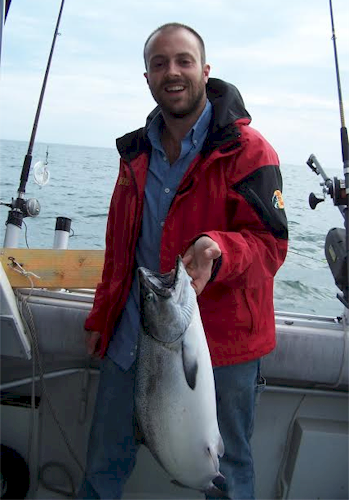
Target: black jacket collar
[228,107]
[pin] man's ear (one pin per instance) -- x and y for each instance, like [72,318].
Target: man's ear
[146,76]
[206,71]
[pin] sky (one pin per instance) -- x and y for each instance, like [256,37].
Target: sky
[279,53]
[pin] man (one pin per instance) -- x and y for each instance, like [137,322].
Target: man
[197,181]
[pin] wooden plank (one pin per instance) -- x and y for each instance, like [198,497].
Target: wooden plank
[57,269]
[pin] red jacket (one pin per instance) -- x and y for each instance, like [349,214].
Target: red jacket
[230,192]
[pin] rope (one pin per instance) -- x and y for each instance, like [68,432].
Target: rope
[29,325]
[23,303]
[22,271]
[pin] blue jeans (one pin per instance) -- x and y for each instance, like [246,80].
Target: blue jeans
[237,387]
[113,446]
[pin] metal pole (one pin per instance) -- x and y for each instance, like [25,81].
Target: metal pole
[62,231]
[345,149]
[2,21]
[28,157]
[16,215]
[343,130]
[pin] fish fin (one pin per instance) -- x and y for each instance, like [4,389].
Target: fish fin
[212,491]
[217,492]
[190,363]
[212,451]
[221,447]
[219,480]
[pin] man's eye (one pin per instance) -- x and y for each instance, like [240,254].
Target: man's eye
[185,62]
[157,64]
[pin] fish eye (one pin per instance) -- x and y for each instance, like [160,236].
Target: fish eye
[149,296]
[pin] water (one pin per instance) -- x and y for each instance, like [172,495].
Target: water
[81,184]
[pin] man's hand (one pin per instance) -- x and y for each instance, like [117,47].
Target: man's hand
[198,261]
[92,341]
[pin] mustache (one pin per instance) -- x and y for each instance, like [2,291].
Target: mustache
[173,81]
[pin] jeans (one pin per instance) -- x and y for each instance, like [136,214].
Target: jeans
[237,387]
[113,446]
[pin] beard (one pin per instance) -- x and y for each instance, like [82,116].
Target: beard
[196,97]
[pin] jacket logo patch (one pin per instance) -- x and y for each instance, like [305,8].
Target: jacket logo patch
[124,181]
[277,200]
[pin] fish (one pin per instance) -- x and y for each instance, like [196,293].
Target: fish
[175,401]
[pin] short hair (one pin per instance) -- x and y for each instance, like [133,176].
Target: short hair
[176,26]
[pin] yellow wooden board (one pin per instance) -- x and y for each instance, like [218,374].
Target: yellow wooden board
[66,269]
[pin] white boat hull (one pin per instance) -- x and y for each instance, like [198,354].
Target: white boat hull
[300,442]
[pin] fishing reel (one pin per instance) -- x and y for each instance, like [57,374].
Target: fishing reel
[28,208]
[335,188]
[336,249]
[20,208]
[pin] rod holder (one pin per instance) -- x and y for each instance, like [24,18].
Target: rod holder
[62,231]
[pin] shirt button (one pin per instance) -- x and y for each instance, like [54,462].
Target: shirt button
[167,190]
[162,223]
[195,141]
[165,158]
[131,353]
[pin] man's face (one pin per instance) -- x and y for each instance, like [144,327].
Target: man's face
[175,74]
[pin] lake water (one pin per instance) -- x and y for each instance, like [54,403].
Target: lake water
[80,187]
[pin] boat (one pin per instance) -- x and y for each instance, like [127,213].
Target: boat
[48,383]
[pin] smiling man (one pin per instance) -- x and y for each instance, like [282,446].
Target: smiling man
[177,74]
[199,182]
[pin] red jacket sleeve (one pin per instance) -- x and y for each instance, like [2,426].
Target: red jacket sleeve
[257,245]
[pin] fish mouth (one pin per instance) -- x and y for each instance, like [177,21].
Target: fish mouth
[162,284]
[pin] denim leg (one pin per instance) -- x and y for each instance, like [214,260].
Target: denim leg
[236,388]
[112,446]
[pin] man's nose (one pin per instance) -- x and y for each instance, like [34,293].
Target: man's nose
[173,69]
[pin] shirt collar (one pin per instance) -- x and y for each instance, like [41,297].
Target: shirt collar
[195,133]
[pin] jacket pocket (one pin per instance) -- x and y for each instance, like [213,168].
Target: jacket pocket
[253,300]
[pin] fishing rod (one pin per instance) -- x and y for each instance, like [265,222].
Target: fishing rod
[3,13]
[337,240]
[21,208]
[343,129]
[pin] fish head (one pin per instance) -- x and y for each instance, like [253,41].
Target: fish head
[167,303]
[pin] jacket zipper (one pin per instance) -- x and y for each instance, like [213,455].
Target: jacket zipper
[136,219]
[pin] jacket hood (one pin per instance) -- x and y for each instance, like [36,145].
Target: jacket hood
[228,107]
[227,103]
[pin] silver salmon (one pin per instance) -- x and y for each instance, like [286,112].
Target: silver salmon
[175,391]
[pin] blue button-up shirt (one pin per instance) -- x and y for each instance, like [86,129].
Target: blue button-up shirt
[162,182]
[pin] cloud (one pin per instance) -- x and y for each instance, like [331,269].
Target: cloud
[279,54]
